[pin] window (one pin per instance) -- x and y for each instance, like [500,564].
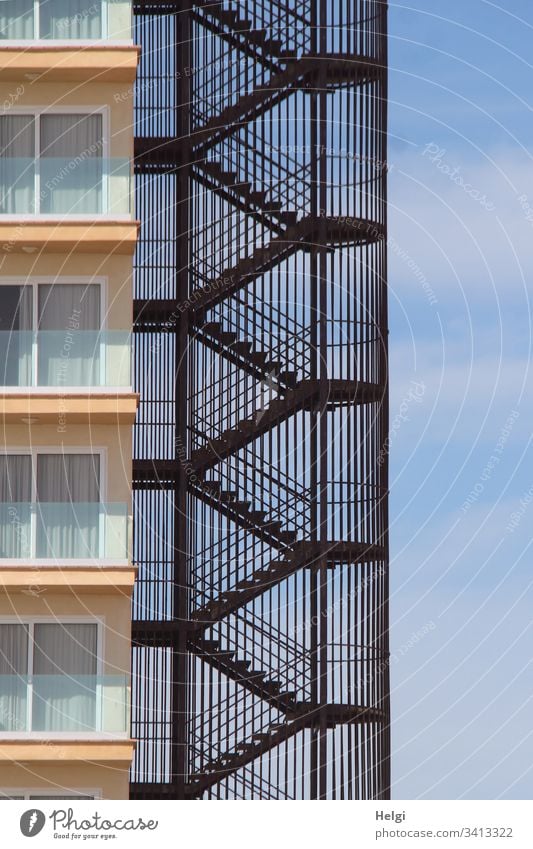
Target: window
[50,505]
[51,331]
[51,164]
[48,676]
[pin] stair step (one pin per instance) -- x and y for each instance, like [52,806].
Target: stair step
[227,654]
[272,45]
[247,584]
[260,35]
[261,737]
[212,327]
[242,665]
[258,198]
[229,758]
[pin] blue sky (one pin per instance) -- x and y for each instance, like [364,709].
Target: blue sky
[460,276]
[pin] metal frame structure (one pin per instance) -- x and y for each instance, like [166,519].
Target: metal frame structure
[260,464]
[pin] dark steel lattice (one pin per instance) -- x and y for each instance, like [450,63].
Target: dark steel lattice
[260,472]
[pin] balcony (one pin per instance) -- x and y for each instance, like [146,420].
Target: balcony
[63,533]
[65,20]
[61,358]
[76,705]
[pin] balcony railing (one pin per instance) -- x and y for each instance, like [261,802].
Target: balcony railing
[64,531]
[70,185]
[82,704]
[65,358]
[66,20]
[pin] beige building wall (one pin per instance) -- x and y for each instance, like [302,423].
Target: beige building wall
[113,611]
[116,271]
[107,779]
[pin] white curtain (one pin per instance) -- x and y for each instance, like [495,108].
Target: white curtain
[68,492]
[68,338]
[64,682]
[16,336]
[15,506]
[64,19]
[17,164]
[16,19]
[71,164]
[13,683]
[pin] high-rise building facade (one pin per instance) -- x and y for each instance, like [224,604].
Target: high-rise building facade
[260,479]
[67,239]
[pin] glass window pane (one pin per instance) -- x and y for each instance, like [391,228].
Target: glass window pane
[71,164]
